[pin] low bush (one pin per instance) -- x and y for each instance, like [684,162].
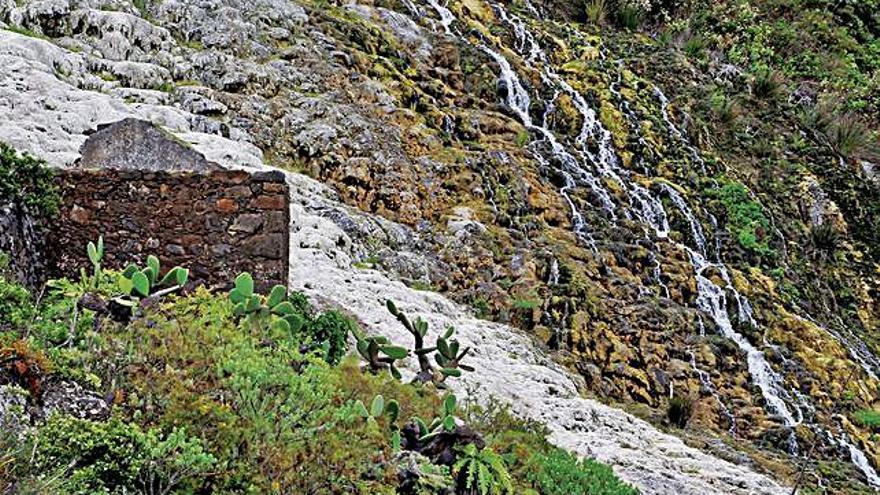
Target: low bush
[26,179]
[560,473]
[679,411]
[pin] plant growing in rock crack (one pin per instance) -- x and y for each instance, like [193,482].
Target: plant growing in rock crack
[481,472]
[448,352]
[270,313]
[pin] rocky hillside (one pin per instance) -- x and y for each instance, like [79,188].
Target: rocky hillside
[677,203]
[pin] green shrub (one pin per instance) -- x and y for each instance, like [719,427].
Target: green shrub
[766,84]
[481,472]
[595,11]
[26,179]
[629,14]
[695,47]
[745,217]
[849,135]
[331,329]
[16,308]
[116,456]
[825,239]
[679,411]
[560,473]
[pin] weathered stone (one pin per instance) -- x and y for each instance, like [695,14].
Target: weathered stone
[247,223]
[269,202]
[226,205]
[275,221]
[270,246]
[68,397]
[138,144]
[79,214]
[175,249]
[13,416]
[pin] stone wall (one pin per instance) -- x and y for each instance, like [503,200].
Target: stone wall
[217,224]
[22,241]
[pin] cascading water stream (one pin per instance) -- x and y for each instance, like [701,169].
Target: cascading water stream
[860,460]
[675,132]
[648,208]
[712,298]
[706,383]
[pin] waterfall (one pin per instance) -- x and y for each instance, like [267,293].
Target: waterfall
[675,132]
[706,383]
[446,16]
[581,166]
[553,278]
[860,460]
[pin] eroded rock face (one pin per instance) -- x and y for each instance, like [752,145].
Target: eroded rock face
[14,419]
[68,397]
[139,145]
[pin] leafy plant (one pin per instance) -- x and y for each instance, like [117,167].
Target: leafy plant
[849,135]
[378,409]
[596,11]
[331,330]
[28,180]
[448,353]
[766,84]
[95,253]
[560,473]
[481,472]
[444,421]
[171,461]
[695,47]
[825,239]
[629,14]
[380,354]
[867,418]
[115,456]
[745,217]
[273,312]
[135,283]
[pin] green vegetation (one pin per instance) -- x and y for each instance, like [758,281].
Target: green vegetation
[482,472]
[744,216]
[868,418]
[679,411]
[560,473]
[210,394]
[27,180]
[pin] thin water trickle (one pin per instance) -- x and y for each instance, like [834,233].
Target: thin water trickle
[708,386]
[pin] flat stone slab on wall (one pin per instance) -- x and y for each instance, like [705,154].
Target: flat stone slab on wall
[218,224]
